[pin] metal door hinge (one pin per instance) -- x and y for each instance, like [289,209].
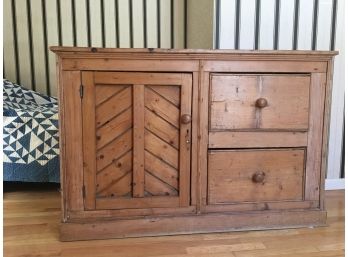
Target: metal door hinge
[81,91]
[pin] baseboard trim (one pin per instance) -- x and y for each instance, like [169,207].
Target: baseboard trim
[334,184]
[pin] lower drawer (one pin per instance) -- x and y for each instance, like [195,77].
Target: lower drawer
[255,175]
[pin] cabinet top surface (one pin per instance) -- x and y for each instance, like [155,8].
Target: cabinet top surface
[94,50]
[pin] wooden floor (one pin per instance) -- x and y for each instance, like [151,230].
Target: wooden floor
[31,221]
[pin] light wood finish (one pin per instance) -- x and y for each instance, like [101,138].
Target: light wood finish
[315,136]
[255,176]
[89,143]
[139,141]
[264,66]
[141,157]
[234,102]
[242,139]
[72,143]
[31,229]
[179,137]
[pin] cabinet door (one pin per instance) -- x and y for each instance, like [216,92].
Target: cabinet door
[137,140]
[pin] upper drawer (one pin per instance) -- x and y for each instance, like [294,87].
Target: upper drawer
[278,101]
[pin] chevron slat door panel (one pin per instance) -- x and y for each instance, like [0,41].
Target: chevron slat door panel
[141,147]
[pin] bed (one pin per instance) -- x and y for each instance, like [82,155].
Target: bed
[30,135]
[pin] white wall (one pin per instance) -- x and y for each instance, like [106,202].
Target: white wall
[286,35]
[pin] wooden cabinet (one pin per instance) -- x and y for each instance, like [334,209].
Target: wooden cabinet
[157,142]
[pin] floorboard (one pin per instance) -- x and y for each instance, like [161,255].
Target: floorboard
[31,222]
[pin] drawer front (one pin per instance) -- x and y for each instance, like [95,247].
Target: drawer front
[259,102]
[255,175]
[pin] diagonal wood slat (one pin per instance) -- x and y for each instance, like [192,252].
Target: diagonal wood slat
[161,149]
[158,105]
[162,128]
[113,106]
[103,92]
[157,187]
[114,150]
[114,171]
[122,187]
[171,93]
[114,128]
[161,170]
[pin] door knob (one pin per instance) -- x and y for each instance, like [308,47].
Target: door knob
[261,102]
[185,119]
[258,177]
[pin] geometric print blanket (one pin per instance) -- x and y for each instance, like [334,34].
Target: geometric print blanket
[30,135]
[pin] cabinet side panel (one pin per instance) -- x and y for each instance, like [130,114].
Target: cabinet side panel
[71,140]
[315,136]
[327,114]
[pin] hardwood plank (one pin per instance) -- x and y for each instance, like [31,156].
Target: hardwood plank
[202,175]
[113,106]
[138,141]
[43,240]
[119,188]
[126,213]
[194,138]
[89,141]
[161,150]
[71,144]
[157,187]
[138,203]
[233,102]
[137,77]
[185,140]
[264,66]
[231,172]
[114,128]
[175,225]
[162,108]
[260,206]
[103,92]
[114,150]
[171,93]
[263,139]
[112,64]
[315,136]
[161,170]
[61,50]
[326,128]
[114,171]
[161,128]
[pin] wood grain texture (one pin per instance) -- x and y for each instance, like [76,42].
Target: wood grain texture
[241,139]
[89,140]
[171,125]
[233,102]
[185,140]
[231,172]
[71,146]
[315,136]
[138,141]
[326,129]
[31,229]
[272,64]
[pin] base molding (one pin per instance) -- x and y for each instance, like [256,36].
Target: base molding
[190,224]
[334,184]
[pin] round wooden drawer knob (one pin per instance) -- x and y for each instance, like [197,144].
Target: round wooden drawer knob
[185,118]
[261,103]
[258,177]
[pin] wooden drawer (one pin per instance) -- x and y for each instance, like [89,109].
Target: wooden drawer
[262,101]
[255,175]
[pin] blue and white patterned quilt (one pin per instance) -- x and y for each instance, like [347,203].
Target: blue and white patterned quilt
[30,135]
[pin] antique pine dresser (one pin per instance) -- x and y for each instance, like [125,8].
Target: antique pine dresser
[159,142]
